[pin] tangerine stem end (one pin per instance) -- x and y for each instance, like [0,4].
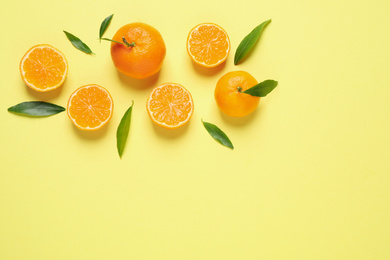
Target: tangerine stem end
[132,44]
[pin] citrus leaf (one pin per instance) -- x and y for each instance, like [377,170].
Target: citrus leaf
[249,41]
[76,42]
[104,25]
[218,134]
[123,130]
[36,109]
[262,89]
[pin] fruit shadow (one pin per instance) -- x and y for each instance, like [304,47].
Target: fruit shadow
[139,84]
[90,135]
[208,71]
[170,133]
[241,121]
[44,96]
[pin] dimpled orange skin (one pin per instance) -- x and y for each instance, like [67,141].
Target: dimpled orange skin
[230,98]
[145,58]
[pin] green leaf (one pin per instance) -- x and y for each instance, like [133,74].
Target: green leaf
[218,134]
[262,89]
[36,109]
[249,41]
[123,130]
[104,25]
[76,42]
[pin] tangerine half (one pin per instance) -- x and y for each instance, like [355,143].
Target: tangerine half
[208,45]
[170,105]
[90,107]
[43,68]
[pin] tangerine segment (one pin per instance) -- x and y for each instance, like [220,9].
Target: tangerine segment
[230,97]
[170,105]
[208,44]
[90,107]
[43,68]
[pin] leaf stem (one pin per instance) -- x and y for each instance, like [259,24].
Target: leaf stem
[125,42]
[132,44]
[106,39]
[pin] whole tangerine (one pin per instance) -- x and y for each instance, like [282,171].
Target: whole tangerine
[142,53]
[230,97]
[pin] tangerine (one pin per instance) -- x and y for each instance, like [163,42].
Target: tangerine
[142,53]
[43,68]
[90,107]
[230,97]
[170,105]
[208,45]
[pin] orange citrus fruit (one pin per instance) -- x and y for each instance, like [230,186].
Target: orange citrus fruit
[170,105]
[230,97]
[208,45]
[142,53]
[90,107]
[43,68]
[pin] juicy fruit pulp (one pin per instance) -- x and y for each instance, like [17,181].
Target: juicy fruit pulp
[230,97]
[170,105]
[90,107]
[43,68]
[146,54]
[208,45]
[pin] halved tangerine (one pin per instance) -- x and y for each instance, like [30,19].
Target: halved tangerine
[208,44]
[170,105]
[43,68]
[90,107]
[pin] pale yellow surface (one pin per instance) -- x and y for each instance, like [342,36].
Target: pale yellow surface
[309,176]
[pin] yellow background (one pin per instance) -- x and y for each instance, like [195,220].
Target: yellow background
[309,175]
